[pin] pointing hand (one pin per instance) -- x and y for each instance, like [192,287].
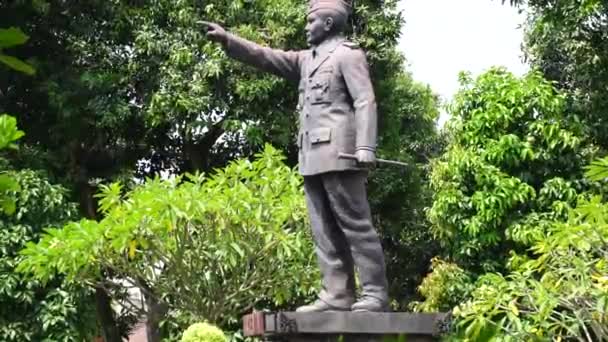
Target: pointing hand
[215,32]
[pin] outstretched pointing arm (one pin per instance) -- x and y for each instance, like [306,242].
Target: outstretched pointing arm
[281,63]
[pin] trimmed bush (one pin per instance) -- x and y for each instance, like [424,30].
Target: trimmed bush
[203,332]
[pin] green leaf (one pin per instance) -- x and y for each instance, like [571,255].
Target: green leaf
[12,37]
[238,249]
[513,308]
[8,206]
[598,170]
[17,64]
[132,248]
[8,183]
[8,131]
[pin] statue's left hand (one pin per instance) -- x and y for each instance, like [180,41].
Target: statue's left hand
[366,157]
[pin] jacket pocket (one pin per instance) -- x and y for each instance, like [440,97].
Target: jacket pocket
[320,135]
[321,87]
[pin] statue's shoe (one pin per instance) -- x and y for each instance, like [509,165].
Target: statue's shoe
[370,304]
[320,306]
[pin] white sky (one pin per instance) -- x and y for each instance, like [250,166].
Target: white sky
[443,37]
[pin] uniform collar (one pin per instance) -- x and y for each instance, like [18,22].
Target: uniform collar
[327,46]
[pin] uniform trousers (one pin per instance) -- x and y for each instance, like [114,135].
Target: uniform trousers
[344,237]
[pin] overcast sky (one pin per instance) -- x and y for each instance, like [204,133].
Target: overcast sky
[443,37]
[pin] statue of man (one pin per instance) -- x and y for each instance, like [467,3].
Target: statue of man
[337,110]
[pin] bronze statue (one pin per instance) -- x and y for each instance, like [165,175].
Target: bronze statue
[337,109]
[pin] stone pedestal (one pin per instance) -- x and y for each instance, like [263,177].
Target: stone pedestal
[345,326]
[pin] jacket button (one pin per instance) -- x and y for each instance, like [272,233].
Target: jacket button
[307,115]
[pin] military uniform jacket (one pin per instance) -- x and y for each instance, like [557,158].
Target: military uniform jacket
[336,103]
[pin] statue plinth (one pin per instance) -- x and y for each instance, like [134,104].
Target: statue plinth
[351,326]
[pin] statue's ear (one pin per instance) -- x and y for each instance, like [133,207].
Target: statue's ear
[329,24]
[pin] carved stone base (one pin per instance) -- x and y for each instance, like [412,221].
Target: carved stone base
[345,326]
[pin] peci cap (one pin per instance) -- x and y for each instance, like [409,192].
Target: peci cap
[341,7]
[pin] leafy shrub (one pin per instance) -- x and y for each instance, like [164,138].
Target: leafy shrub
[444,288]
[203,332]
[212,247]
[29,310]
[559,293]
[513,165]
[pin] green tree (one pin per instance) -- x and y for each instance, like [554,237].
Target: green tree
[9,132]
[80,120]
[559,292]
[513,167]
[31,310]
[568,42]
[211,247]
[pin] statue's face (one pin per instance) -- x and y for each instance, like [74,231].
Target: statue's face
[318,27]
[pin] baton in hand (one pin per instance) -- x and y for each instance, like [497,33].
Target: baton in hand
[342,155]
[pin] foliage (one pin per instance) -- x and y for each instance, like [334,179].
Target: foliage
[30,310]
[513,165]
[444,288]
[81,120]
[203,332]
[568,42]
[209,246]
[9,133]
[556,290]
[140,81]
[12,37]
[559,293]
